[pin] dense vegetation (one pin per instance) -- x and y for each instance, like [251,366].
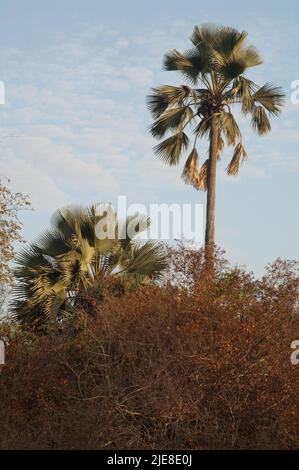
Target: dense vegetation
[204,366]
[11,203]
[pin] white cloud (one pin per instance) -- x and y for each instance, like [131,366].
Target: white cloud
[43,190]
[140,76]
[79,107]
[117,84]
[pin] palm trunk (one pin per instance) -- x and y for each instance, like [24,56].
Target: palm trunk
[211,193]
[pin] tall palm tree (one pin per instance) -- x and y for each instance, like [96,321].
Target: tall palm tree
[68,260]
[214,70]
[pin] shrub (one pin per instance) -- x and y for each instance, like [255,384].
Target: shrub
[203,367]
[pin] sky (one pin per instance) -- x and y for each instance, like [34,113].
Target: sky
[74,127]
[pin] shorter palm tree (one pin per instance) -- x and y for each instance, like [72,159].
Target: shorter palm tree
[68,262]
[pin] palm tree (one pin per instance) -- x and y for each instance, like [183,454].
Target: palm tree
[68,261]
[214,70]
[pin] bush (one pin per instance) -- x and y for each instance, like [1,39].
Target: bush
[203,367]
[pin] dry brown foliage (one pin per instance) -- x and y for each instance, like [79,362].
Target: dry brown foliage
[203,367]
[10,226]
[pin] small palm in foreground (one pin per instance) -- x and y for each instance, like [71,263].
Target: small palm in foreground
[214,71]
[68,262]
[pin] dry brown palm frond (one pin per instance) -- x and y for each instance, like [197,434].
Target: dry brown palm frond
[190,171]
[238,157]
[202,182]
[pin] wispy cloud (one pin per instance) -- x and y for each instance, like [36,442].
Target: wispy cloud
[78,108]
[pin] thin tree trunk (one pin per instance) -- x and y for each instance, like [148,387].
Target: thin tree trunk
[211,194]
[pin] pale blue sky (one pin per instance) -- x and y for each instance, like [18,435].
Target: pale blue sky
[74,126]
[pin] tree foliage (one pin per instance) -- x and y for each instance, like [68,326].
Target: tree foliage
[10,228]
[216,84]
[68,262]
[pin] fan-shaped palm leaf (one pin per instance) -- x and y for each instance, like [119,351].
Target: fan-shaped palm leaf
[190,64]
[173,118]
[166,95]
[260,121]
[68,259]
[170,150]
[229,127]
[270,97]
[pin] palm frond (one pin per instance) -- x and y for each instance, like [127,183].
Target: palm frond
[170,150]
[148,259]
[223,39]
[270,97]
[200,63]
[63,220]
[173,118]
[225,50]
[53,242]
[164,96]
[190,64]
[190,171]
[133,226]
[202,129]
[234,65]
[203,34]
[250,56]
[104,228]
[243,91]
[29,259]
[38,296]
[238,157]
[202,182]
[228,40]
[260,121]
[227,68]
[157,101]
[229,127]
